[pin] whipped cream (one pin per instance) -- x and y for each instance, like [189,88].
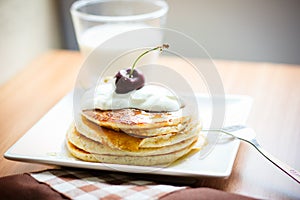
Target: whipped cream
[150,98]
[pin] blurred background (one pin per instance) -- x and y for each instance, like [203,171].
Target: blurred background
[256,30]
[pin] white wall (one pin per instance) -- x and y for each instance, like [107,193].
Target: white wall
[255,30]
[252,30]
[28,28]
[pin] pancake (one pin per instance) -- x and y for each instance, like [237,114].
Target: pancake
[92,146]
[111,138]
[169,139]
[128,160]
[138,122]
[123,141]
[133,137]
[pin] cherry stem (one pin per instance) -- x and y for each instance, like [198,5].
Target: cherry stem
[164,46]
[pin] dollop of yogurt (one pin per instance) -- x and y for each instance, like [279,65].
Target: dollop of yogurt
[150,98]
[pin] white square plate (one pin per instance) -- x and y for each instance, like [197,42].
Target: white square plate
[45,143]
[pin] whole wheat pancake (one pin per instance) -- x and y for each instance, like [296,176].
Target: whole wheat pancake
[128,160]
[170,138]
[92,146]
[131,136]
[123,141]
[138,122]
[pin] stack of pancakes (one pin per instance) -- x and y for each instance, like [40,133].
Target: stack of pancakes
[131,136]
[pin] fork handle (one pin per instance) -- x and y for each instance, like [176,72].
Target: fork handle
[294,174]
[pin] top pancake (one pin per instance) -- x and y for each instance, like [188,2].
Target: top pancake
[138,122]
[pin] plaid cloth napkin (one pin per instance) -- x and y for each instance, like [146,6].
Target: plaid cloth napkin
[79,184]
[64,184]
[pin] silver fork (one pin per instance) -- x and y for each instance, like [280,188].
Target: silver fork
[248,135]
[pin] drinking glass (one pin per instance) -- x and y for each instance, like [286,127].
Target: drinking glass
[96,21]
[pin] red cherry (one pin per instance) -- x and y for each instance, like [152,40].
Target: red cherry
[126,83]
[131,79]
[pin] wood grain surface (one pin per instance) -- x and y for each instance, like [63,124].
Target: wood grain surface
[275,116]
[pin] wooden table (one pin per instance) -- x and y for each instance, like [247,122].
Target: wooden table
[275,116]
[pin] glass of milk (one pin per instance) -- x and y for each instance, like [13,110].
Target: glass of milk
[96,21]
